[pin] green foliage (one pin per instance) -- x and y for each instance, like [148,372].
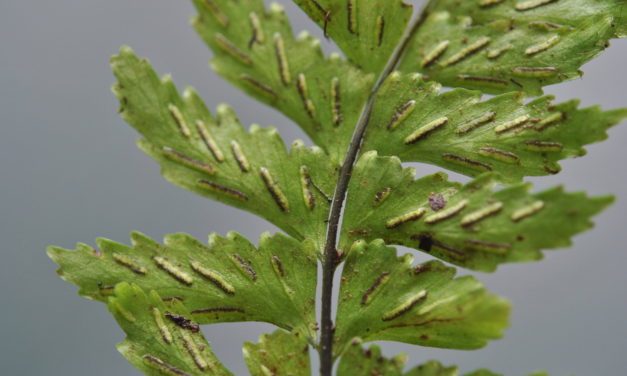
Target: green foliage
[256,51]
[366,115]
[279,354]
[161,339]
[383,297]
[455,130]
[367,31]
[358,361]
[506,45]
[231,280]
[469,225]
[217,158]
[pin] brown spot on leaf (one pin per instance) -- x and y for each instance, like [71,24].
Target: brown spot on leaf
[436,201]
[421,269]
[183,322]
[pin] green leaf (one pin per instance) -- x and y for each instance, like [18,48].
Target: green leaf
[278,354]
[411,119]
[472,225]
[257,52]
[358,361]
[367,31]
[161,340]
[485,372]
[218,159]
[546,14]
[511,44]
[383,297]
[434,368]
[231,280]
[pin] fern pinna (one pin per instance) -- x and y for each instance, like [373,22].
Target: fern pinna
[367,112]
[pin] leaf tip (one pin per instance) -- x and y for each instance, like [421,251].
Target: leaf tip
[55,253]
[124,53]
[604,201]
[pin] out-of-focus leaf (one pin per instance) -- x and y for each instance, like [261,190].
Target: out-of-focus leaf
[278,354]
[485,372]
[358,361]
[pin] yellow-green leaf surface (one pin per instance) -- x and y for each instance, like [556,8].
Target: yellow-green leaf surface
[411,119]
[385,297]
[256,50]
[370,361]
[358,361]
[470,225]
[161,339]
[231,280]
[278,354]
[506,45]
[485,372]
[543,12]
[367,31]
[217,158]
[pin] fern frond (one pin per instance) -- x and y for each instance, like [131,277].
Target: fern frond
[383,297]
[217,158]
[511,45]
[471,225]
[411,119]
[544,13]
[370,361]
[384,99]
[161,339]
[231,280]
[255,50]
[278,354]
[358,361]
[367,31]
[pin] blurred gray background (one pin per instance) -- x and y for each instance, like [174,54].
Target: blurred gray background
[70,171]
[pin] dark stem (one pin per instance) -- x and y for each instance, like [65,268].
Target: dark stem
[330,256]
